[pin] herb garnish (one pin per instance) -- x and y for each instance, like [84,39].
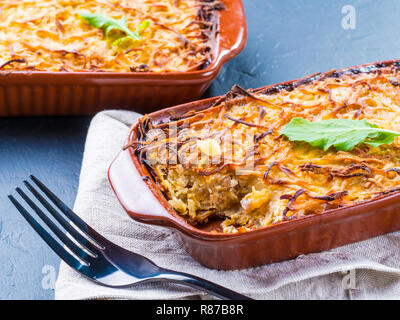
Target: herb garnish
[116,31]
[343,134]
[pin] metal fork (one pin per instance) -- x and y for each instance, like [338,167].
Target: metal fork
[95,257]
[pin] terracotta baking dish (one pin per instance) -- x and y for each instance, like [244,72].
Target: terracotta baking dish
[144,202]
[24,93]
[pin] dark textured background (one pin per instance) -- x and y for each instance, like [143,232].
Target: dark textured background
[287,39]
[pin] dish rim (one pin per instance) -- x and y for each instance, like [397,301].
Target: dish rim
[224,51]
[175,220]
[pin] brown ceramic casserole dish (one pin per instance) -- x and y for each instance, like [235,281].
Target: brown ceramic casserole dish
[38,93]
[144,201]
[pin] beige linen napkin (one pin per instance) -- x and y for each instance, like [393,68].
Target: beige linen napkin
[374,264]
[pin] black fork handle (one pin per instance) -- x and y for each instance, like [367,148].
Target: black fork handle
[201,284]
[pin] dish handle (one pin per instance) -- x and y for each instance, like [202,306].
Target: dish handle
[233,30]
[134,191]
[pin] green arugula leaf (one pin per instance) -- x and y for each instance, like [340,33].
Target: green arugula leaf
[343,134]
[111,28]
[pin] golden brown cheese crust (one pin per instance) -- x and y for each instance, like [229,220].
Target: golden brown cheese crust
[229,161]
[49,35]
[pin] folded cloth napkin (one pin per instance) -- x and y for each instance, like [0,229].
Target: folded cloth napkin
[363,270]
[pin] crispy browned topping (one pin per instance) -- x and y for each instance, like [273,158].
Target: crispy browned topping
[230,161]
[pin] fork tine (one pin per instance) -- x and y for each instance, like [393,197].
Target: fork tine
[53,244]
[78,222]
[57,231]
[61,220]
